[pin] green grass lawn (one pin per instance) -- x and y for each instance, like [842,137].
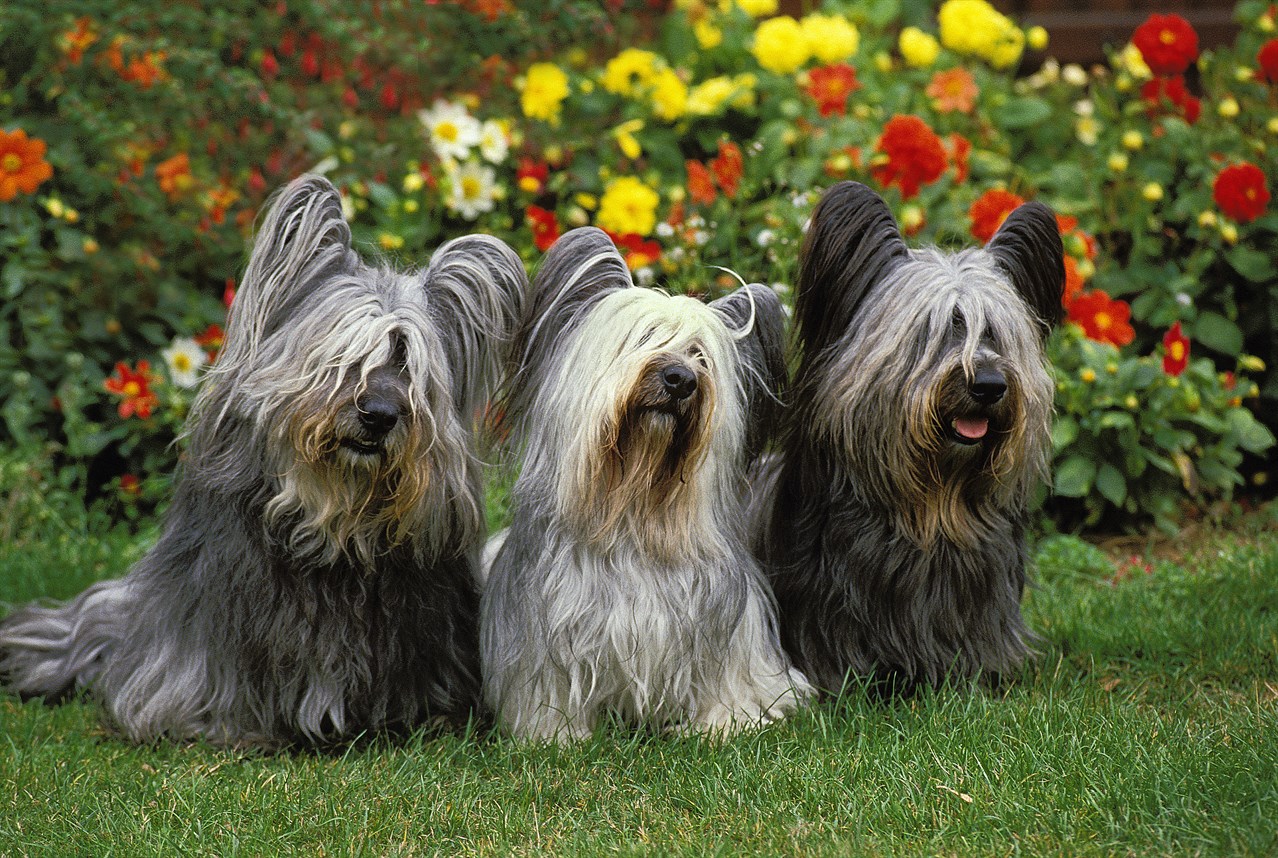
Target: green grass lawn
[1148,726]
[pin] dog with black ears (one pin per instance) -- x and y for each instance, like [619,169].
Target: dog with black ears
[624,586]
[892,522]
[315,573]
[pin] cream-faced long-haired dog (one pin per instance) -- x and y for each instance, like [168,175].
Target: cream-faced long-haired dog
[624,585]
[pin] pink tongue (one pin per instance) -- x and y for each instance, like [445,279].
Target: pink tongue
[971,427]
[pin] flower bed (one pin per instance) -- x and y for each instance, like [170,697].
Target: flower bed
[138,146]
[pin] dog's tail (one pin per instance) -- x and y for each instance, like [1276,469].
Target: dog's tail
[53,651]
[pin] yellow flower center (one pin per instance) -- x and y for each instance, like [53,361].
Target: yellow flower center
[11,163]
[1178,351]
[132,389]
[1167,37]
[182,362]
[1104,320]
[446,131]
[470,187]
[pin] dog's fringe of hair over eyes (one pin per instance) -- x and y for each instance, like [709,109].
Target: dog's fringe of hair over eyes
[895,546]
[311,580]
[624,583]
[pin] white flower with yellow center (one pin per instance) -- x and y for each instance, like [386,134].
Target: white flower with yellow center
[185,358]
[472,189]
[493,142]
[452,131]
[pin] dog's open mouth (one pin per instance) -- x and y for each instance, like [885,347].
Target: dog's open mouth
[362,448]
[970,430]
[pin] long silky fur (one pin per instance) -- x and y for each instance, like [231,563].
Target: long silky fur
[298,593]
[624,585]
[895,553]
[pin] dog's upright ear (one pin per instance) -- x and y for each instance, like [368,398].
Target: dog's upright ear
[1028,247]
[755,316]
[304,240]
[476,288]
[852,243]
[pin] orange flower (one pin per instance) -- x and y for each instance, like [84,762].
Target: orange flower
[700,183]
[1102,318]
[134,389]
[955,89]
[990,210]
[1073,281]
[75,42]
[174,175]
[830,86]
[22,164]
[728,167]
[960,149]
[531,176]
[914,154]
[1175,350]
[144,70]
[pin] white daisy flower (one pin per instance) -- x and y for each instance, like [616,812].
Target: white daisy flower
[493,144]
[473,189]
[451,129]
[184,358]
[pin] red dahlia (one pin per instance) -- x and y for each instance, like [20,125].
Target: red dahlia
[915,155]
[1175,351]
[990,210]
[1168,44]
[1267,60]
[1240,191]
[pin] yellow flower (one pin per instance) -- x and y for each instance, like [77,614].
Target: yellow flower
[1131,402]
[90,246]
[1087,129]
[625,136]
[1271,125]
[628,206]
[758,8]
[1152,192]
[669,95]
[586,201]
[831,38]
[1087,374]
[1133,140]
[630,71]
[413,182]
[1229,232]
[1251,363]
[708,35]
[1228,108]
[745,84]
[545,88]
[975,28]
[1036,38]
[1131,60]
[1117,162]
[709,97]
[779,45]
[918,49]
[390,241]
[1207,218]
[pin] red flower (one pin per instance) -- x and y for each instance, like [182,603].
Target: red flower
[830,86]
[1073,281]
[1167,43]
[130,486]
[1240,191]
[990,210]
[228,293]
[728,167]
[211,340]
[1171,90]
[915,155]
[960,149]
[1175,351]
[1102,318]
[134,388]
[700,183]
[544,226]
[637,252]
[531,176]
[174,175]
[1267,60]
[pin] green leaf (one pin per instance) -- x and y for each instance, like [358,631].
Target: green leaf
[1116,420]
[1064,431]
[1256,265]
[1022,112]
[1111,484]
[13,278]
[1073,478]
[1218,333]
[1253,436]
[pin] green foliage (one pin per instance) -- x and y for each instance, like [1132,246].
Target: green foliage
[167,124]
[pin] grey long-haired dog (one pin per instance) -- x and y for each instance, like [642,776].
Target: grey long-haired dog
[893,522]
[624,585]
[314,577]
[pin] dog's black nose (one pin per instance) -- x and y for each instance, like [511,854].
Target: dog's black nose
[378,416]
[988,387]
[679,381]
